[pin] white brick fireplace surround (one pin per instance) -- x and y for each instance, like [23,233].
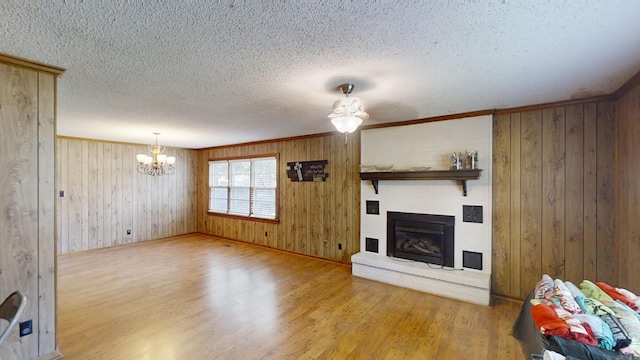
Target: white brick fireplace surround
[428,144]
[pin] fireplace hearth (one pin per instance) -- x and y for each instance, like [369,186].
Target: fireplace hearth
[427,238]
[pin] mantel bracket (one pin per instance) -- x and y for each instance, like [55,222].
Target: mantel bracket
[464,187]
[375,185]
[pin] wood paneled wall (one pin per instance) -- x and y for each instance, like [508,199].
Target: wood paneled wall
[105,195]
[553,196]
[27,237]
[628,189]
[316,218]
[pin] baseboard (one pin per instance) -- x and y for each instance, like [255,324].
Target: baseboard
[290,252]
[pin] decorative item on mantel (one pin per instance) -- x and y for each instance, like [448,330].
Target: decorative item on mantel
[456,161]
[158,164]
[372,168]
[392,168]
[472,160]
[467,160]
[307,170]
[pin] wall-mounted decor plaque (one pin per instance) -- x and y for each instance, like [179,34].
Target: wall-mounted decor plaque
[307,170]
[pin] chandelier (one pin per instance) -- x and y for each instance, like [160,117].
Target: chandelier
[348,113]
[157,164]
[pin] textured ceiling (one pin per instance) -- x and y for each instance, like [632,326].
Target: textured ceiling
[209,73]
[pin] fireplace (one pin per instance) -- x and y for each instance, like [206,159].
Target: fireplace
[421,237]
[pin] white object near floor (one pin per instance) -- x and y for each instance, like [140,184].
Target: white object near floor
[468,285]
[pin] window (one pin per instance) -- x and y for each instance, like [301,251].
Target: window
[244,187]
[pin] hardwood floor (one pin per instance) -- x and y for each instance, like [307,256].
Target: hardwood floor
[200,297]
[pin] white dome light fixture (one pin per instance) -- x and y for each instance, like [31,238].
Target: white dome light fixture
[348,113]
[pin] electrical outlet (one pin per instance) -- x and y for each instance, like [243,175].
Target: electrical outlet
[128,231]
[266,234]
[26,328]
[339,246]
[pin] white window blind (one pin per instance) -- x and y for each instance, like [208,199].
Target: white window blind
[240,187]
[263,187]
[218,184]
[244,187]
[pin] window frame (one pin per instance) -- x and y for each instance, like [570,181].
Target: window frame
[250,216]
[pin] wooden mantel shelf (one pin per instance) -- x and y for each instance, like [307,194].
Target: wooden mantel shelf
[460,175]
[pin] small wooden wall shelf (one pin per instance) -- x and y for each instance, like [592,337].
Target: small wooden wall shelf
[459,175]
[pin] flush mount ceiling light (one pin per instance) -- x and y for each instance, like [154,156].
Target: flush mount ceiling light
[348,113]
[157,164]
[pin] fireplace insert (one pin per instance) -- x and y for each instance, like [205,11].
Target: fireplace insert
[427,238]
